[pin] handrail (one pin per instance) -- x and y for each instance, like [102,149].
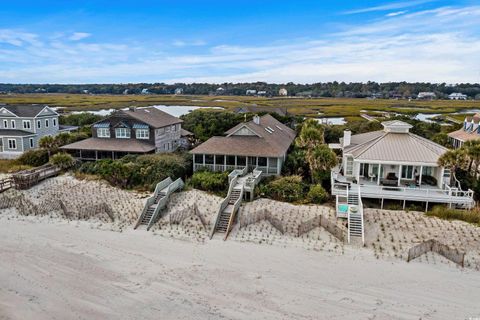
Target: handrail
[159,187]
[224,204]
[172,187]
[236,206]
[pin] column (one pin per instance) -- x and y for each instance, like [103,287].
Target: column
[399,174]
[214,162]
[268,165]
[224,162]
[420,177]
[279,167]
[203,160]
[96,154]
[379,171]
[358,171]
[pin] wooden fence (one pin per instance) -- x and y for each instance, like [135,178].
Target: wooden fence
[321,221]
[257,216]
[178,216]
[433,245]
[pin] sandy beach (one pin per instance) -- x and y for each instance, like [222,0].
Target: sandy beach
[89,266]
[72,271]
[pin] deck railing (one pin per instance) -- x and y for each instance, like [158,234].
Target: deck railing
[224,203]
[162,203]
[236,207]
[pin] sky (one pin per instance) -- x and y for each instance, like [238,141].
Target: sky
[301,41]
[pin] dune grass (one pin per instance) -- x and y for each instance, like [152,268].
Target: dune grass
[441,212]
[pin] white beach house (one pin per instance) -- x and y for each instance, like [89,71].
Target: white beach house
[395,164]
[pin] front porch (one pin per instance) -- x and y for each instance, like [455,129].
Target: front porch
[220,163]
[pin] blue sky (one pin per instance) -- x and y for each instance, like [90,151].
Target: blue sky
[216,41]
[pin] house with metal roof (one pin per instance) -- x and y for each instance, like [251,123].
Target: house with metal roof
[22,126]
[260,144]
[132,131]
[469,131]
[394,163]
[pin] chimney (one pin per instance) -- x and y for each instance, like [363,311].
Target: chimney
[347,137]
[256,119]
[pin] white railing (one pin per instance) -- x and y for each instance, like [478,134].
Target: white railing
[162,203]
[254,179]
[216,167]
[360,211]
[236,173]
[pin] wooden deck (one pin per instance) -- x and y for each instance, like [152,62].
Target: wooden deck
[26,179]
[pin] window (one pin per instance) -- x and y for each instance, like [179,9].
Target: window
[13,124]
[12,144]
[166,146]
[167,129]
[349,166]
[407,172]
[31,143]
[160,131]
[173,128]
[54,122]
[103,132]
[27,124]
[39,124]
[199,158]
[122,133]
[427,171]
[47,123]
[262,162]
[142,133]
[5,124]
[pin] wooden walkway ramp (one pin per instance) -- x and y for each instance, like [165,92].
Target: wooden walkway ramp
[157,202]
[26,179]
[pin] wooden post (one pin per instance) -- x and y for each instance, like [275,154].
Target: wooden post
[399,174]
[381,207]
[420,177]
[379,171]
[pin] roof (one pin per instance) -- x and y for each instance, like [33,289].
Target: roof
[261,143]
[152,116]
[184,132]
[470,129]
[15,133]
[464,135]
[395,147]
[24,110]
[101,144]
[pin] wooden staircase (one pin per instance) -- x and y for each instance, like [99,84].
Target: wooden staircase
[355,219]
[226,214]
[157,202]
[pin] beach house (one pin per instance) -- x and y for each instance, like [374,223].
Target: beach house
[395,164]
[133,131]
[469,131]
[261,143]
[22,126]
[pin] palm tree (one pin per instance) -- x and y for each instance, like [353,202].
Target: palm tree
[48,143]
[453,160]
[472,149]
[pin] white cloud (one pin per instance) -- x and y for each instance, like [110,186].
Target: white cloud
[76,36]
[194,43]
[439,45]
[390,6]
[397,13]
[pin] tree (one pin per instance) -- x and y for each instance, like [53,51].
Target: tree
[62,160]
[453,160]
[472,148]
[48,143]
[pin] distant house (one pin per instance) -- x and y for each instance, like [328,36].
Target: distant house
[125,91]
[179,91]
[133,131]
[469,131]
[457,96]
[260,144]
[251,92]
[220,91]
[426,96]
[283,92]
[376,96]
[261,93]
[22,126]
[260,109]
[145,91]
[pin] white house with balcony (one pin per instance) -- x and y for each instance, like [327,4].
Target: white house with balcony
[395,164]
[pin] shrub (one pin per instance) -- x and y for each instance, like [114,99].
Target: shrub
[317,194]
[33,158]
[142,172]
[289,189]
[455,214]
[62,160]
[210,181]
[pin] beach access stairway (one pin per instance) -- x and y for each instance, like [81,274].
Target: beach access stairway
[25,179]
[355,215]
[6,184]
[157,202]
[240,183]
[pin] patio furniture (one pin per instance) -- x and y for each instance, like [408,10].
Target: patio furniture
[390,180]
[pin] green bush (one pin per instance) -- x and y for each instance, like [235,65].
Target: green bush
[455,214]
[210,181]
[289,189]
[33,158]
[62,160]
[141,172]
[317,194]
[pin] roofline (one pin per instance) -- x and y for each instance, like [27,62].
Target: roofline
[46,107]
[3,108]
[244,126]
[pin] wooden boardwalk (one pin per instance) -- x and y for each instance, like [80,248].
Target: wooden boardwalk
[6,184]
[26,179]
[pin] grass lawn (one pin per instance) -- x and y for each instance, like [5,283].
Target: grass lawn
[342,107]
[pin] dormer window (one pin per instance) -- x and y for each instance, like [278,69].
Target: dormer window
[103,132]
[142,133]
[122,133]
